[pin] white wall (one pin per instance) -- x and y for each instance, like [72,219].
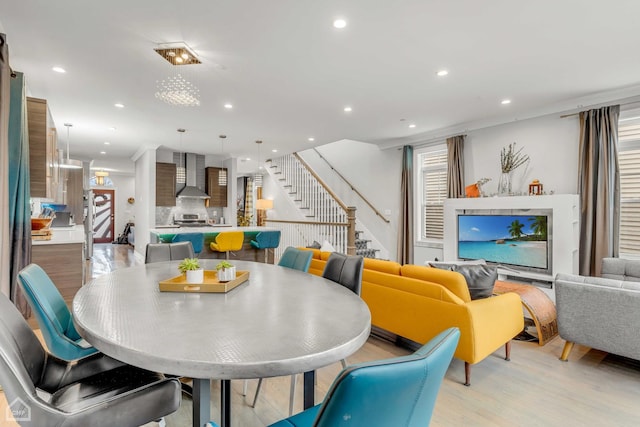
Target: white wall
[145,190]
[552,145]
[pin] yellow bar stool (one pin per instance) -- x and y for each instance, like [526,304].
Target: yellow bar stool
[228,241]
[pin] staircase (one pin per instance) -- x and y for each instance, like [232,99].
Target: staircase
[315,202]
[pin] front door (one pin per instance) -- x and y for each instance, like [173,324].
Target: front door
[103,222]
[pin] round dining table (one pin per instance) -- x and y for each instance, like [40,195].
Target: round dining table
[279,322]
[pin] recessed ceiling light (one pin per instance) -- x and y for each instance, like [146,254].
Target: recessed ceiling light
[118,105]
[228,106]
[112,128]
[274,151]
[107,143]
[505,101]
[412,125]
[339,23]
[103,152]
[311,139]
[348,109]
[248,158]
[59,70]
[442,73]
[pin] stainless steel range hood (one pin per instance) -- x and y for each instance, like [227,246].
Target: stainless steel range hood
[190,174]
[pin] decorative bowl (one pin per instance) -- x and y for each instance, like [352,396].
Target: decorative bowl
[40,223]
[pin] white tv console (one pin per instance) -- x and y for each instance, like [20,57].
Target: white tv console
[565,231]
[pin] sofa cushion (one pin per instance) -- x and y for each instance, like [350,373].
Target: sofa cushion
[621,269]
[389,267]
[480,278]
[454,282]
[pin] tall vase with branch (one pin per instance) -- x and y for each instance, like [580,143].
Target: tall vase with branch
[510,159]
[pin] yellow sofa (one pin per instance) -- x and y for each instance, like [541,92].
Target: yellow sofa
[417,303]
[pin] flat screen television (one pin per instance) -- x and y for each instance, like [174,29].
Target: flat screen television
[521,241]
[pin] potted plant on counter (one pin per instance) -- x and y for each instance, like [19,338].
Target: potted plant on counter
[225,271]
[191,268]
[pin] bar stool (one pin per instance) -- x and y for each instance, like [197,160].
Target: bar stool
[266,240]
[196,239]
[228,241]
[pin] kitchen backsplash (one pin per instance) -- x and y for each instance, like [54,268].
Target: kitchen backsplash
[166,214]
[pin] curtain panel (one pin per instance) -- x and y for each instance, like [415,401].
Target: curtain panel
[598,187]
[5,91]
[405,225]
[455,167]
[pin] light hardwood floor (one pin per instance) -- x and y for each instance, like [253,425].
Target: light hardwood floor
[534,389]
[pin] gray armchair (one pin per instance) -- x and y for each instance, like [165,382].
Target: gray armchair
[601,312]
[96,390]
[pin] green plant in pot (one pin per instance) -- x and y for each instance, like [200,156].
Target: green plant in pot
[226,271]
[191,268]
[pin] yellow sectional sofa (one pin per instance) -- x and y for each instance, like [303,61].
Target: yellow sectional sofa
[417,303]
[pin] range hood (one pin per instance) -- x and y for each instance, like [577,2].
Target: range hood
[190,174]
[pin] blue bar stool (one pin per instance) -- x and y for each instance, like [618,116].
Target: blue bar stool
[266,240]
[196,239]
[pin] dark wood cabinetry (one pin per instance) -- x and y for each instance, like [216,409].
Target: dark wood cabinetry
[43,159]
[165,184]
[217,186]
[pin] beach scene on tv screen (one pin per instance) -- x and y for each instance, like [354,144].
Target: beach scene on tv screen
[519,240]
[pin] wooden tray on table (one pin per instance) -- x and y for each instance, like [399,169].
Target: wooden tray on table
[210,283]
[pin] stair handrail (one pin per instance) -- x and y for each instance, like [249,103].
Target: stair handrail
[321,182]
[353,188]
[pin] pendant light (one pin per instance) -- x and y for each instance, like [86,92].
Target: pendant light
[67,163]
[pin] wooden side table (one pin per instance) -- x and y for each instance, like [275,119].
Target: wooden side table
[538,305]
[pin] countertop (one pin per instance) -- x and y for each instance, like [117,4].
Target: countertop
[213,229]
[63,235]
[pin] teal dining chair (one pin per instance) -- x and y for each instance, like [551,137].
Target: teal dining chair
[393,392]
[296,259]
[52,314]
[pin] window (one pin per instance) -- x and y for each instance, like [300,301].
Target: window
[432,188]
[629,160]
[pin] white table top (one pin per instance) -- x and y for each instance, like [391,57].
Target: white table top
[280,322]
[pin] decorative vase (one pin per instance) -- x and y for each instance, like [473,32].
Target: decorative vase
[226,274]
[504,185]
[195,276]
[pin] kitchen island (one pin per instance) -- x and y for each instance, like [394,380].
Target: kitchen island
[165,234]
[62,258]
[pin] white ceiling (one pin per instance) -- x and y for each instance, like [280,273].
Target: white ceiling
[289,73]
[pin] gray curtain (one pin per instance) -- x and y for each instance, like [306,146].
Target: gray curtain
[5,90]
[405,225]
[455,167]
[19,191]
[598,187]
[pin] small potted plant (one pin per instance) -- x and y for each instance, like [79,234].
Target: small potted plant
[226,271]
[191,267]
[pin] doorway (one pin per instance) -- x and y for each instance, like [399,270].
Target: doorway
[103,201]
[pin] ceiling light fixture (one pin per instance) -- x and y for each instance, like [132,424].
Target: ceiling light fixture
[59,70]
[68,163]
[107,143]
[505,101]
[228,106]
[311,139]
[118,105]
[348,109]
[177,89]
[274,151]
[112,128]
[222,175]
[257,177]
[442,73]
[412,125]
[100,176]
[103,152]
[339,23]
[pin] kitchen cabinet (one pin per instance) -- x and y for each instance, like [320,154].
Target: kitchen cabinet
[165,184]
[217,186]
[43,150]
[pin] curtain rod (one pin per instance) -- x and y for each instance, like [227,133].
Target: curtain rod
[564,116]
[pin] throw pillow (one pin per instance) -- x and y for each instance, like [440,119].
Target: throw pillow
[314,245]
[480,278]
[327,247]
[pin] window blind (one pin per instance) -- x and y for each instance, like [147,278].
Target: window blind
[434,185]
[629,162]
